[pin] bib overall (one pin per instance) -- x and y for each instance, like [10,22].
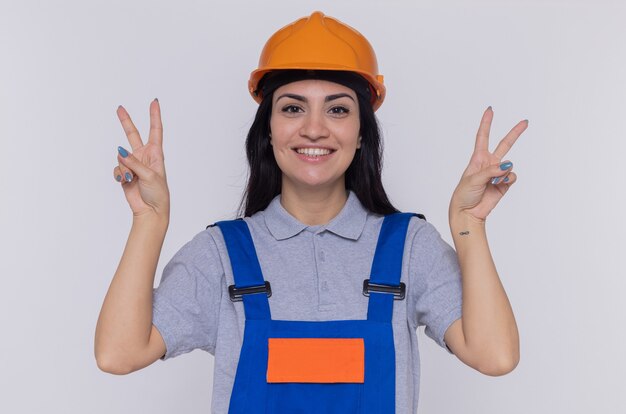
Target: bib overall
[341,366]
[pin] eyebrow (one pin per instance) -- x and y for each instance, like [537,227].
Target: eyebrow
[303,99]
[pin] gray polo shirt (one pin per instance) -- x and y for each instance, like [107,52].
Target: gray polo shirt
[317,274]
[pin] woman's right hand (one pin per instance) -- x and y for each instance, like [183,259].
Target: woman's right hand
[147,190]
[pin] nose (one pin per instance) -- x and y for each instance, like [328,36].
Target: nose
[314,126]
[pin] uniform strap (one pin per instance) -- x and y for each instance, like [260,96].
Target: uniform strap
[246,269]
[387,267]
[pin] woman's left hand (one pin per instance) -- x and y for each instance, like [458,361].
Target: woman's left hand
[477,194]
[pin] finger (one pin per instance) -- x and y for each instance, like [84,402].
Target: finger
[123,172]
[156,126]
[501,173]
[503,186]
[494,174]
[507,142]
[482,136]
[129,128]
[117,174]
[135,166]
[509,179]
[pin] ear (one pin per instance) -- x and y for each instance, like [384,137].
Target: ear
[358,144]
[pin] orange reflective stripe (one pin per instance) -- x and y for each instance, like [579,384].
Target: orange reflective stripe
[322,360]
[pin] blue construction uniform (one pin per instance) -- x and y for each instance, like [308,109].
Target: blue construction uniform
[375,391]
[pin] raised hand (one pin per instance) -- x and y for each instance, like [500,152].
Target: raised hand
[142,172]
[483,182]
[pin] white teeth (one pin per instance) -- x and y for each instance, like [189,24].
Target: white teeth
[313,151]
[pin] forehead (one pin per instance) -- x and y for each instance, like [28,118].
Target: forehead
[313,87]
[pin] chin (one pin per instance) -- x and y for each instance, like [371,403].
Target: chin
[316,182]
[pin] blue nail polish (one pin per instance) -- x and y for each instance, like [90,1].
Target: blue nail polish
[119,178]
[506,179]
[128,177]
[495,180]
[506,165]
[122,152]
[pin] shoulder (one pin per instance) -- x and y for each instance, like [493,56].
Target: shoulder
[420,230]
[214,237]
[202,253]
[204,241]
[255,223]
[424,244]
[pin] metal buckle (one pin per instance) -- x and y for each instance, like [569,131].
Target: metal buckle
[236,294]
[398,292]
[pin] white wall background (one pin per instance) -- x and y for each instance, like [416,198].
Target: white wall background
[557,236]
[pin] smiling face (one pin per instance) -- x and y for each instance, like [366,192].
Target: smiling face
[315,133]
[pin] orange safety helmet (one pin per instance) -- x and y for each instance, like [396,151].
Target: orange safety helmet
[319,42]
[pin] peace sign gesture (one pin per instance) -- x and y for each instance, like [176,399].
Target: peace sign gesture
[142,172]
[486,179]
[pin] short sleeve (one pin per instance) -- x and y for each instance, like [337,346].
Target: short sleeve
[436,288]
[187,301]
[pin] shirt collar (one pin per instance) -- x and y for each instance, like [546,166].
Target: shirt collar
[349,223]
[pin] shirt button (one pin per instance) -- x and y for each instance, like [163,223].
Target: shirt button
[324,286]
[322,256]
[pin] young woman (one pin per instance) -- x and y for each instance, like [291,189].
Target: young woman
[311,300]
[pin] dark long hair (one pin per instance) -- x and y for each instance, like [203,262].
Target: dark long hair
[363,176]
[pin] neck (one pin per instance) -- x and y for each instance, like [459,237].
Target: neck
[313,206]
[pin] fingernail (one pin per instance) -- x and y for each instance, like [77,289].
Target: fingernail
[490,107]
[122,152]
[506,179]
[128,177]
[119,178]
[495,180]
[156,99]
[506,165]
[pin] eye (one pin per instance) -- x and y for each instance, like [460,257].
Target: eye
[291,109]
[338,110]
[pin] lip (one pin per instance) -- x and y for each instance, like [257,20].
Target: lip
[313,147]
[313,159]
